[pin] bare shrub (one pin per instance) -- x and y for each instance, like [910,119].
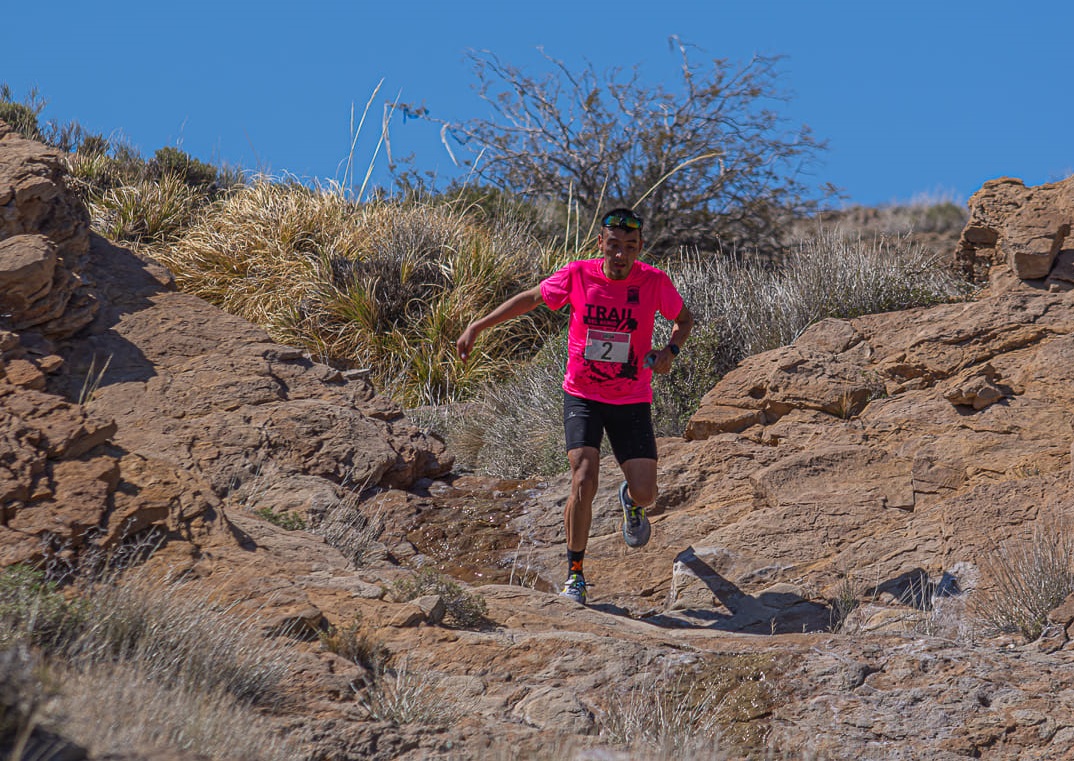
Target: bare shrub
[708,159]
[1023,580]
[670,715]
[184,715]
[403,696]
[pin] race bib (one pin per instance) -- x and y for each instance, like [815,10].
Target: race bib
[607,346]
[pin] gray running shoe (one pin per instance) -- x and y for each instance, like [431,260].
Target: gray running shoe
[636,529]
[574,589]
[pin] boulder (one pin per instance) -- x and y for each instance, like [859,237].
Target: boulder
[1024,228]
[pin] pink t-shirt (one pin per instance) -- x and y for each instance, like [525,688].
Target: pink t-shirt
[611,327]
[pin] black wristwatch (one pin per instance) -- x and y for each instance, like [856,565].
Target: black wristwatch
[673,349]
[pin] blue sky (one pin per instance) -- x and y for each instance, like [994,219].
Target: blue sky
[916,99]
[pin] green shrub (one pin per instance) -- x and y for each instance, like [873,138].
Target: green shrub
[169,161]
[285,519]
[464,608]
[34,611]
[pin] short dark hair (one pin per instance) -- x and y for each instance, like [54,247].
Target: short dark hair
[622,218]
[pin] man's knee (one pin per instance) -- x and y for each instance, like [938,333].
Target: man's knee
[585,472]
[644,494]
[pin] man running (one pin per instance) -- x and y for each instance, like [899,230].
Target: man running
[613,303]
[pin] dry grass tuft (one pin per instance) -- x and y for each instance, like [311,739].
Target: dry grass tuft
[1026,579]
[403,696]
[355,643]
[672,715]
[161,716]
[189,673]
[383,285]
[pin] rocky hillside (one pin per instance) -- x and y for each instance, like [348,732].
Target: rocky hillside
[823,531]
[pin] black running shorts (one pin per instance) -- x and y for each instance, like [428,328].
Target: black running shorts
[629,427]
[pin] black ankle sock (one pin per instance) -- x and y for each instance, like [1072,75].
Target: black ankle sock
[574,562]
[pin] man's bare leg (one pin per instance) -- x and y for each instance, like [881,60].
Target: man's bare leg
[636,493]
[578,514]
[641,480]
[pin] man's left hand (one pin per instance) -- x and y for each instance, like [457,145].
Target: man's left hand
[660,360]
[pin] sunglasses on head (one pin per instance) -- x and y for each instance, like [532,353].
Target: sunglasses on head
[625,221]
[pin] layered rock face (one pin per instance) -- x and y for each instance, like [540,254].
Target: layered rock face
[128,407]
[44,235]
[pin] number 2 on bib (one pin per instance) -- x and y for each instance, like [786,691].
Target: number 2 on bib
[607,346]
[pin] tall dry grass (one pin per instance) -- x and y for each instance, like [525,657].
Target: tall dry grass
[388,285]
[136,663]
[514,429]
[382,285]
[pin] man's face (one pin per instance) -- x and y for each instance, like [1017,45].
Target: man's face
[620,248]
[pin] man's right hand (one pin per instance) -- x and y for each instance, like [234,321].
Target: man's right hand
[517,305]
[466,341]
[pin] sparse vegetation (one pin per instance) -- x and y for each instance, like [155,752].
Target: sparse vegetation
[843,603]
[1026,579]
[673,714]
[695,710]
[22,116]
[356,644]
[515,430]
[388,285]
[464,608]
[285,519]
[147,645]
[347,527]
[403,696]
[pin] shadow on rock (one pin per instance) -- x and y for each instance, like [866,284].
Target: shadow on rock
[703,597]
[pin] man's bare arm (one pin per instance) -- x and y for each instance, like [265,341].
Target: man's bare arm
[680,331]
[517,305]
